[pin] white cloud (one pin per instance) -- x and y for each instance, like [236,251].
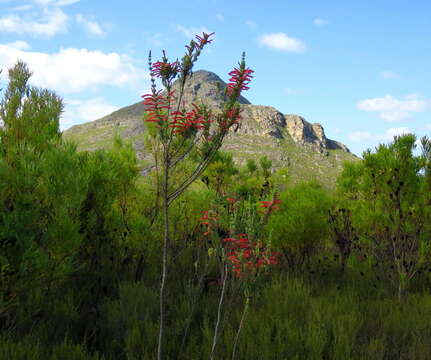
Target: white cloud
[289,91]
[153,39]
[53,21]
[21,8]
[388,135]
[388,74]
[80,111]
[66,2]
[91,26]
[280,41]
[190,32]
[73,70]
[392,109]
[250,24]
[320,22]
[220,17]
[19,45]
[55,2]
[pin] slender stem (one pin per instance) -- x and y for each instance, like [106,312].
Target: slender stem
[244,313]
[196,173]
[220,304]
[165,255]
[195,300]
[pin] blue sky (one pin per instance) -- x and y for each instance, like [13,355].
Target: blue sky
[361,69]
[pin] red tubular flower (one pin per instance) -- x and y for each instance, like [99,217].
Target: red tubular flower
[239,80]
[155,106]
[233,115]
[183,121]
[165,70]
[270,205]
[204,39]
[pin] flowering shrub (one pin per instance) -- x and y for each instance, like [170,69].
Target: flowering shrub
[176,133]
[163,109]
[246,257]
[208,221]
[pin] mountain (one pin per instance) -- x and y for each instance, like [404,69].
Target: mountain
[288,140]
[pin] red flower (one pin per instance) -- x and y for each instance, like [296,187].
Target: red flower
[165,70]
[204,39]
[265,204]
[157,106]
[194,119]
[239,80]
[270,205]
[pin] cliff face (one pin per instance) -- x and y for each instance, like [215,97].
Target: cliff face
[288,140]
[258,120]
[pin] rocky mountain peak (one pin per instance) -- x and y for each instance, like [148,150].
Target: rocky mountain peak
[202,87]
[287,140]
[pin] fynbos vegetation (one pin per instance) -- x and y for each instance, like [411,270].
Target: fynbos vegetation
[202,257]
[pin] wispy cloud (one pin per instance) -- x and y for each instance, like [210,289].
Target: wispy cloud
[388,135]
[55,2]
[66,2]
[289,91]
[280,41]
[220,17]
[73,70]
[190,32]
[52,22]
[92,27]
[21,8]
[154,39]
[390,108]
[388,74]
[320,22]
[79,111]
[19,45]
[250,24]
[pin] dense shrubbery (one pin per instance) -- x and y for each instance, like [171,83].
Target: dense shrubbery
[80,245]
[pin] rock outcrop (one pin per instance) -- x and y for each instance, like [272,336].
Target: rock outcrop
[288,140]
[307,134]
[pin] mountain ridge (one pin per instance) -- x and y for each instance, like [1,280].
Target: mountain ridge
[288,140]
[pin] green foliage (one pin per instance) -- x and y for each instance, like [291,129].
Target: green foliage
[26,349]
[80,251]
[220,172]
[300,228]
[390,200]
[251,166]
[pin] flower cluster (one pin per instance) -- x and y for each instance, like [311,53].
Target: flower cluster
[204,39]
[194,119]
[231,200]
[270,205]
[240,78]
[165,70]
[248,257]
[157,107]
[208,219]
[157,111]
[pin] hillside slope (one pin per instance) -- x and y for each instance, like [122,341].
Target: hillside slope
[288,140]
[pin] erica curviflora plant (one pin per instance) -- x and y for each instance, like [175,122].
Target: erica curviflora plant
[177,132]
[243,257]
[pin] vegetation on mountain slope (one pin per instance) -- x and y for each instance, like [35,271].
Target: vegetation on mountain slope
[80,252]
